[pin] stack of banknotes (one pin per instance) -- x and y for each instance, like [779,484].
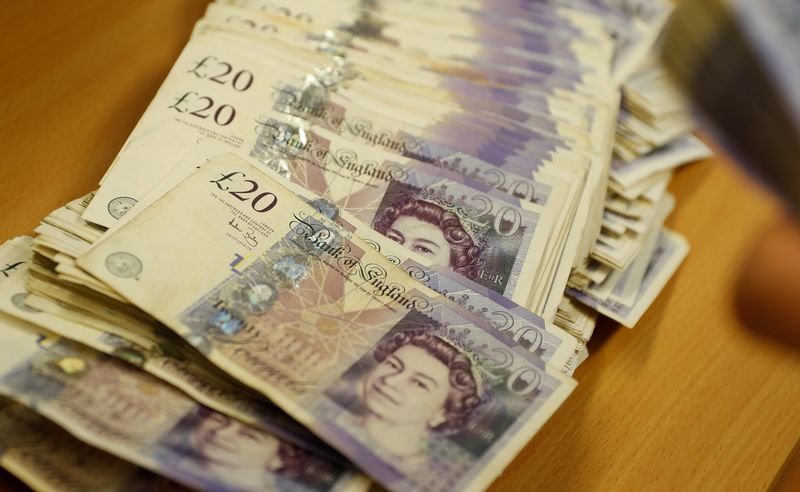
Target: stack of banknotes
[631,259]
[345,240]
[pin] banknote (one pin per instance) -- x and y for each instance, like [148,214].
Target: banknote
[573,22]
[651,93]
[592,271]
[546,340]
[165,357]
[373,86]
[634,219]
[636,136]
[439,144]
[330,180]
[491,238]
[634,24]
[576,318]
[550,62]
[330,330]
[479,234]
[126,412]
[527,329]
[368,76]
[459,33]
[459,161]
[242,80]
[627,286]
[670,251]
[391,22]
[657,190]
[406,141]
[530,331]
[285,66]
[559,191]
[108,404]
[176,118]
[621,285]
[677,152]
[646,186]
[46,457]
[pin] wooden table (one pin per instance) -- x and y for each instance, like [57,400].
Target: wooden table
[686,401]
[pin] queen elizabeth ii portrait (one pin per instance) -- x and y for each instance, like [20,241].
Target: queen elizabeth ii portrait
[415,387]
[430,230]
[225,451]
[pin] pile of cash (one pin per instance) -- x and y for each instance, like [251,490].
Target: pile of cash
[632,258]
[347,241]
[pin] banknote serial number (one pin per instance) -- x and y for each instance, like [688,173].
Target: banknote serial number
[243,189]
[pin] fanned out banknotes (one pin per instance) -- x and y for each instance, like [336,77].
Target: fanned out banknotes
[347,241]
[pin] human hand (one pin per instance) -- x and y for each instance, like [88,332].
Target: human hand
[768,291]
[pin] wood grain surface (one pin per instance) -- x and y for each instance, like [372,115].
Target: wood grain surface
[686,401]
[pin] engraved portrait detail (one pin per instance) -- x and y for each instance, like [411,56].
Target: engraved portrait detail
[226,451]
[431,230]
[420,385]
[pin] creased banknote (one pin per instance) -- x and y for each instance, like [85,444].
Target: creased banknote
[114,406]
[168,358]
[195,103]
[278,296]
[478,233]
[46,457]
[670,251]
[126,412]
[549,342]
